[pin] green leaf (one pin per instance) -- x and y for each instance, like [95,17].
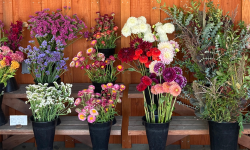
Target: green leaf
[131,69]
[161,100]
[247,77]
[219,73]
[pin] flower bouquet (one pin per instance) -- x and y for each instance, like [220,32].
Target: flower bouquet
[166,84]
[99,110]
[47,103]
[9,63]
[215,50]
[45,64]
[99,70]
[105,34]
[11,38]
[52,31]
[138,28]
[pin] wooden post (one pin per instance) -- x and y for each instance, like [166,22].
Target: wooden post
[126,79]
[185,142]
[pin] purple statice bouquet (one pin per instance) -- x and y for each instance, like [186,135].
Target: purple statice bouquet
[57,25]
[45,64]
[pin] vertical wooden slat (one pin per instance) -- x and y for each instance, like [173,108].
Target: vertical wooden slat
[245,11]
[68,76]
[69,142]
[156,13]
[185,142]
[126,78]
[7,17]
[81,45]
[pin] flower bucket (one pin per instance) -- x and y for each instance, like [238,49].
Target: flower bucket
[51,84]
[157,134]
[11,85]
[98,86]
[148,100]
[107,52]
[3,121]
[223,136]
[44,133]
[100,133]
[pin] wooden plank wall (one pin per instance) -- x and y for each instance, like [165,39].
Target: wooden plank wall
[12,10]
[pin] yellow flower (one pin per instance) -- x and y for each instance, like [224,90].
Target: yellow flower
[2,64]
[14,65]
[238,86]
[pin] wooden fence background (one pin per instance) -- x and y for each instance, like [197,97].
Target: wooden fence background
[12,10]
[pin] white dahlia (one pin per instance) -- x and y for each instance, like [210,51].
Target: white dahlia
[132,21]
[143,27]
[163,37]
[160,30]
[168,27]
[136,29]
[126,31]
[149,37]
[142,19]
[165,45]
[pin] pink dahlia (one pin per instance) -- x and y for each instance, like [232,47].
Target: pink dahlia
[175,90]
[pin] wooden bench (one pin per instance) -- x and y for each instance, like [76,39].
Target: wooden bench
[70,125]
[180,126]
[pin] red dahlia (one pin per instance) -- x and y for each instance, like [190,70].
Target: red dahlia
[141,87]
[148,63]
[136,57]
[146,80]
[143,59]
[126,54]
[155,52]
[138,52]
[135,43]
[145,46]
[149,53]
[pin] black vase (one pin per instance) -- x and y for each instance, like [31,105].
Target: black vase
[100,133]
[157,134]
[107,52]
[98,86]
[3,120]
[44,133]
[11,85]
[58,81]
[147,92]
[223,136]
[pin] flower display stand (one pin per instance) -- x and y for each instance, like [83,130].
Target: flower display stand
[70,125]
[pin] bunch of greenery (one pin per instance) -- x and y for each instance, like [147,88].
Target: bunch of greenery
[47,103]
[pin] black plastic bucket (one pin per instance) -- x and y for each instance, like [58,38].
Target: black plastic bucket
[44,133]
[11,85]
[100,133]
[148,100]
[107,52]
[223,136]
[3,120]
[50,84]
[98,86]
[157,134]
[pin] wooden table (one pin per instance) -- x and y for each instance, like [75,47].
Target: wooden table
[70,124]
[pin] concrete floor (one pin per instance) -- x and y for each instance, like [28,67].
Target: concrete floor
[60,146]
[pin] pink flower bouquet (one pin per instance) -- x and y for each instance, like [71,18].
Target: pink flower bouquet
[99,107]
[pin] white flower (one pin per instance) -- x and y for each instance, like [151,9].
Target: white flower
[166,56]
[142,19]
[166,45]
[160,30]
[169,28]
[163,37]
[149,37]
[157,25]
[132,21]
[151,66]
[126,31]
[149,30]
[143,28]
[136,29]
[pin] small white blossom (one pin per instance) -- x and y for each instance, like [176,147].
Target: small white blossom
[126,31]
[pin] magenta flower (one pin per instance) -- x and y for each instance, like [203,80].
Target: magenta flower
[78,101]
[91,87]
[158,68]
[116,87]
[93,112]
[179,80]
[169,74]
[178,70]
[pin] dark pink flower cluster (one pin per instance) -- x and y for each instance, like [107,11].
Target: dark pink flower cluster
[57,25]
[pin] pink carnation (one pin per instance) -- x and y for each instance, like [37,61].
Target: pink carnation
[5,49]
